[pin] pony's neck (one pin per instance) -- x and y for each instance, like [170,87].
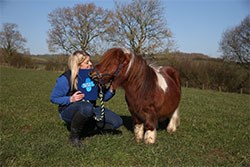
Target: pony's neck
[137,76]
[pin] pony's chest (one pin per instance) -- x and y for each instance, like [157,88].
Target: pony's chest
[133,102]
[138,103]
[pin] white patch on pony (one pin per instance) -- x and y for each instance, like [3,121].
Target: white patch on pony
[156,68]
[139,132]
[161,80]
[132,58]
[150,137]
[174,121]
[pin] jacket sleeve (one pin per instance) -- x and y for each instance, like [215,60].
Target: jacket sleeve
[108,95]
[59,93]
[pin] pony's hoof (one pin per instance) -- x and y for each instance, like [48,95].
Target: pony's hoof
[138,140]
[150,137]
[149,141]
[171,130]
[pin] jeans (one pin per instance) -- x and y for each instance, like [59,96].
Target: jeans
[87,109]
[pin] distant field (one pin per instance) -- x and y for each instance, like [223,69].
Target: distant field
[214,131]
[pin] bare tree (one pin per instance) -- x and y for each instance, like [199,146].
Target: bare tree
[140,26]
[235,43]
[11,40]
[76,28]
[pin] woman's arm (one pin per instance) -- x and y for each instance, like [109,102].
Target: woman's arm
[109,94]
[59,93]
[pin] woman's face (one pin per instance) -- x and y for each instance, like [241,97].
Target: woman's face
[86,64]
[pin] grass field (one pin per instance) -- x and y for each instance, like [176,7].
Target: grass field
[214,131]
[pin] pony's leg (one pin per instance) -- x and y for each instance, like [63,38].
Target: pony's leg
[174,121]
[150,127]
[139,132]
[138,128]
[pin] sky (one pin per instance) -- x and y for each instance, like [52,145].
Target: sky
[197,25]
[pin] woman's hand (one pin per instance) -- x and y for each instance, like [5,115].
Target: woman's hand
[78,95]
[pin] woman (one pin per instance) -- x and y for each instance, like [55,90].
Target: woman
[74,109]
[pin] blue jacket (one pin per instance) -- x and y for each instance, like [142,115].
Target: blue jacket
[62,91]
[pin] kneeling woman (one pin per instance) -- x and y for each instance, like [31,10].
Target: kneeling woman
[74,108]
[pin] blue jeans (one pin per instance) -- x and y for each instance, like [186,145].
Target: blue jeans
[112,120]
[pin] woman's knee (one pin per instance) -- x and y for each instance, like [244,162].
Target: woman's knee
[67,115]
[113,119]
[86,109]
[118,122]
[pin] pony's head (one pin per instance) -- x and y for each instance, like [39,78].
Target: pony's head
[112,67]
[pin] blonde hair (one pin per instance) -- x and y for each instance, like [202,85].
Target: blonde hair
[74,62]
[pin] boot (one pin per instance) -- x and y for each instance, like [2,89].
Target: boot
[77,124]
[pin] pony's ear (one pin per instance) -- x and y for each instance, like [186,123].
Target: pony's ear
[124,57]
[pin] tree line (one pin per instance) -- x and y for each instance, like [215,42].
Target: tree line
[203,72]
[139,26]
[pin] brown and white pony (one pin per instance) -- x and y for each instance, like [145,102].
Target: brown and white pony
[152,93]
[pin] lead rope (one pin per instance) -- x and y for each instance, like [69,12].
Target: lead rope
[100,118]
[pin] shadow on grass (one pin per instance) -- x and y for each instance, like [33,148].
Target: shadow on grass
[92,128]
[128,123]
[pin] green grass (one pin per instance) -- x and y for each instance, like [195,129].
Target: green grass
[214,129]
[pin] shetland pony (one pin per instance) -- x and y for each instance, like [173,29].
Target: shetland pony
[152,93]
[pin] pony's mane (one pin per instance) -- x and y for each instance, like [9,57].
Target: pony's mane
[111,54]
[140,72]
